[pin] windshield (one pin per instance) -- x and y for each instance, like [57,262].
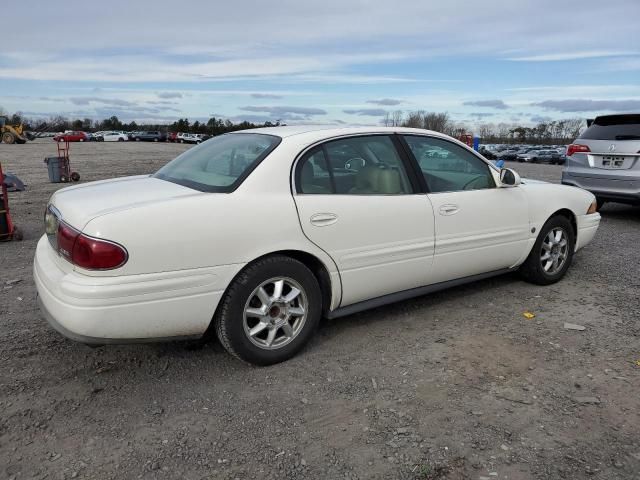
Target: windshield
[219,164]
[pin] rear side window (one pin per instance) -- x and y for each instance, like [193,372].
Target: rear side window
[363,165]
[314,174]
[614,127]
[219,164]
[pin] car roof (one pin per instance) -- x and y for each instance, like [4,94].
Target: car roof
[313,133]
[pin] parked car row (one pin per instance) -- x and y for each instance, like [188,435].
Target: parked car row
[194,138]
[138,136]
[554,154]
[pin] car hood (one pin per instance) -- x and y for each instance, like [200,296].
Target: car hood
[528,181]
[81,203]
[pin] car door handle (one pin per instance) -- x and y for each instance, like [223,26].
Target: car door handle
[449,209]
[323,219]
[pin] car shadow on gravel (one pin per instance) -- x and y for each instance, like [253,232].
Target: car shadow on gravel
[620,211]
[425,305]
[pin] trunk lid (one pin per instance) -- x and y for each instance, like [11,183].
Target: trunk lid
[79,204]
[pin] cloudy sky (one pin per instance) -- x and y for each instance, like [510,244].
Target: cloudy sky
[323,61]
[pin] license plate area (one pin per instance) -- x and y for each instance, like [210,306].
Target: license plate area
[614,162]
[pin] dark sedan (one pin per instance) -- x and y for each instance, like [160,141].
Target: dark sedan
[154,136]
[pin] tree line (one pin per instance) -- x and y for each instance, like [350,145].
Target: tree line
[58,123]
[548,133]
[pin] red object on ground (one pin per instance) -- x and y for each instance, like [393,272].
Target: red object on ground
[466,138]
[8,230]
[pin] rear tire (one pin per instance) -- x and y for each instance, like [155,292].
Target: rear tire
[8,138]
[556,242]
[254,337]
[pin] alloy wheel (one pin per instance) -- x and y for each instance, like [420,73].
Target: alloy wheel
[275,313]
[554,251]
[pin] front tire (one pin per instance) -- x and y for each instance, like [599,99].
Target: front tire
[270,311]
[8,138]
[552,254]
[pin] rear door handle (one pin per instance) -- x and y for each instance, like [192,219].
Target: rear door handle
[449,209]
[323,219]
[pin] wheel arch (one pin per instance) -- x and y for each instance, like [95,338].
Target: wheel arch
[311,261]
[570,215]
[319,270]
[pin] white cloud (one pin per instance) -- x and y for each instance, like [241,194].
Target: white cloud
[574,55]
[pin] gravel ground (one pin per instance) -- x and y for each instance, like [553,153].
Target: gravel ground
[454,385]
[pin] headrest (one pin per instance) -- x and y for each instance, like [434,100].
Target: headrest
[389,181]
[367,178]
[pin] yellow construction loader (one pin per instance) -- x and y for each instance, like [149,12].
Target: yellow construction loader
[12,133]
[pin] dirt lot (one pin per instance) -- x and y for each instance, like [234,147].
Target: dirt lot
[454,385]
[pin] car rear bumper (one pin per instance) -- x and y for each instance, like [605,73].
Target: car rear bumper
[135,308]
[624,189]
[587,228]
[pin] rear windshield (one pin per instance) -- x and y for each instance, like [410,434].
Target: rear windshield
[219,164]
[614,127]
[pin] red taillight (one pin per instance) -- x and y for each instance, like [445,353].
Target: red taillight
[576,148]
[88,252]
[66,239]
[94,254]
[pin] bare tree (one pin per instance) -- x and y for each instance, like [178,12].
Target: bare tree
[396,118]
[438,122]
[414,119]
[574,127]
[487,131]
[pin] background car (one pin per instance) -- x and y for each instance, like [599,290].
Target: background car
[508,154]
[540,156]
[364,217]
[191,138]
[75,136]
[488,152]
[605,159]
[114,136]
[153,136]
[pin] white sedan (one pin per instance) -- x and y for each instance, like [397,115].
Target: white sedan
[114,136]
[256,235]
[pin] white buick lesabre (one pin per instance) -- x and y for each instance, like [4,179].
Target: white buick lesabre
[256,235]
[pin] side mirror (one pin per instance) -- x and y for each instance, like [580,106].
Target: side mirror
[509,178]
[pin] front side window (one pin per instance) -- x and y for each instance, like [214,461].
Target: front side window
[366,165]
[448,167]
[219,164]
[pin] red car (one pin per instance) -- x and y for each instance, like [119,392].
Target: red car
[71,137]
[172,137]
